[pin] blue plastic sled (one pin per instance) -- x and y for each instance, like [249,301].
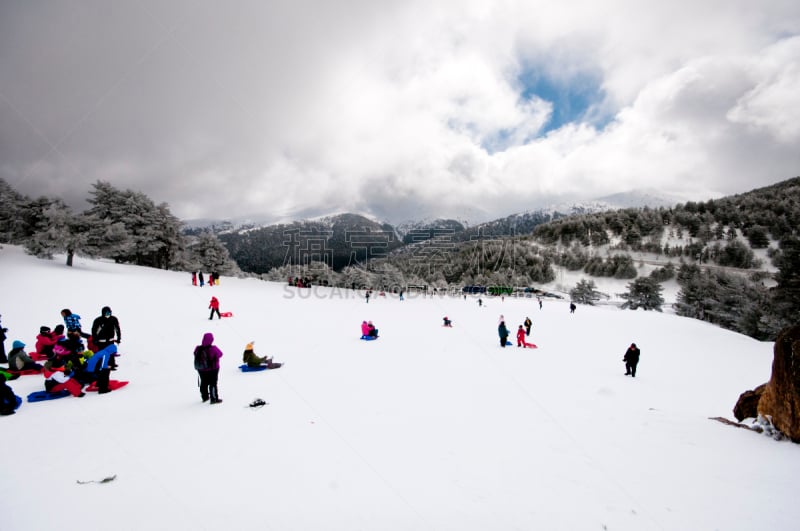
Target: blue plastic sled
[19,401]
[369,338]
[245,368]
[39,396]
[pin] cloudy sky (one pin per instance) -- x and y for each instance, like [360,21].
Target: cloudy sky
[401,109]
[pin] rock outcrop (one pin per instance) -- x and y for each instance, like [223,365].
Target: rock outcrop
[747,405]
[780,401]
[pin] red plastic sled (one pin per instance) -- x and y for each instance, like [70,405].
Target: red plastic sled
[530,345]
[26,372]
[226,314]
[112,384]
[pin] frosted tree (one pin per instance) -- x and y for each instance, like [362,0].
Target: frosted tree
[645,293]
[585,292]
[210,255]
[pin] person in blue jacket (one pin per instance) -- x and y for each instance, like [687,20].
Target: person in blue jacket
[73,323]
[502,331]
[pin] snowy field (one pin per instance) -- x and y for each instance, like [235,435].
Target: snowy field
[427,428]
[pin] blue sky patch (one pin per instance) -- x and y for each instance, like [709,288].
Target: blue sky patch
[571,98]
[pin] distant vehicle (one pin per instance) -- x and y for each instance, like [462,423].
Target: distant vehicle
[500,290]
[474,290]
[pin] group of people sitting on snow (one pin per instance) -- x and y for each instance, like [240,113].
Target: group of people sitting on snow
[68,364]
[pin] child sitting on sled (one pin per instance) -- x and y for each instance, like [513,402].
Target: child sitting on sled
[253,360]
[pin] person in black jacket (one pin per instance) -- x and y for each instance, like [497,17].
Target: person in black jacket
[631,360]
[3,358]
[106,331]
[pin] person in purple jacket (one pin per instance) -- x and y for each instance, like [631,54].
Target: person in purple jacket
[206,361]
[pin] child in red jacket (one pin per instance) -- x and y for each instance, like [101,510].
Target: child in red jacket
[214,305]
[521,337]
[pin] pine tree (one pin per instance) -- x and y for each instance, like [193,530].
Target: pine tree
[585,292]
[787,292]
[643,293]
[209,254]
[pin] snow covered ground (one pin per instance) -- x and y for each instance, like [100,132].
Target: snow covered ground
[427,428]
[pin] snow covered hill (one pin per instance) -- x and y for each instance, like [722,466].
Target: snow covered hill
[426,428]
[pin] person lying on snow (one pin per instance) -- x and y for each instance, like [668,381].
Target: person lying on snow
[254,360]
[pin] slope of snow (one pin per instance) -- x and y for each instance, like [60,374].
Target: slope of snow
[426,428]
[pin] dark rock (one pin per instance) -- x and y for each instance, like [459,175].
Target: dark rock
[780,401]
[747,405]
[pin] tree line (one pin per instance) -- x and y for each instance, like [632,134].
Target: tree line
[123,225]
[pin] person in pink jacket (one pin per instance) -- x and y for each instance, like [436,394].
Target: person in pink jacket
[47,339]
[206,361]
[364,329]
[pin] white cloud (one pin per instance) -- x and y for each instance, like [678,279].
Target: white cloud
[402,109]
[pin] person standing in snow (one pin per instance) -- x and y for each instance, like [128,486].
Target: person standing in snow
[194,278]
[528,325]
[73,323]
[502,331]
[200,277]
[3,358]
[105,332]
[209,376]
[214,305]
[631,360]
[521,337]
[572,307]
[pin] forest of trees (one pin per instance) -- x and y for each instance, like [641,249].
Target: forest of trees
[122,225]
[715,253]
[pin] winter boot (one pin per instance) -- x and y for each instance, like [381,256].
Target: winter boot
[215,399]
[102,381]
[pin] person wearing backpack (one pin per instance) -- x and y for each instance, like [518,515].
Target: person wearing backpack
[206,362]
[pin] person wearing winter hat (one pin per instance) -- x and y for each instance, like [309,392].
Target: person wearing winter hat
[55,380]
[447,321]
[206,356]
[45,341]
[371,330]
[73,323]
[631,359]
[521,337]
[214,305]
[18,359]
[105,332]
[254,360]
